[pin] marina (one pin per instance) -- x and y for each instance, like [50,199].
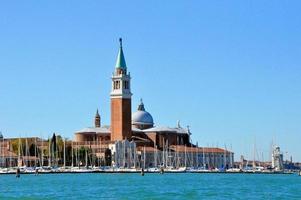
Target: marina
[153,161]
[47,170]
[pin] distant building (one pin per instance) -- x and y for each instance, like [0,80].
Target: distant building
[139,128]
[277,159]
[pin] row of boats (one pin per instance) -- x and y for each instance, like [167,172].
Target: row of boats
[45,170]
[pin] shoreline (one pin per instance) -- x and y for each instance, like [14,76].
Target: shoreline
[146,172]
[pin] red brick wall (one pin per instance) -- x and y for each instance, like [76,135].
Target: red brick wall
[121,117]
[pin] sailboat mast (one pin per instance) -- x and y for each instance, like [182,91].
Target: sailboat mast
[191,155]
[49,152]
[26,152]
[76,155]
[197,155]
[144,158]
[72,153]
[56,151]
[10,148]
[2,151]
[123,153]
[166,149]
[96,150]
[42,152]
[254,164]
[35,151]
[154,153]
[134,156]
[225,157]
[185,156]
[64,153]
[99,163]
[86,158]
[130,157]
[204,164]
[163,160]
[19,150]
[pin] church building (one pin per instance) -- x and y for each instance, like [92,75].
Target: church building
[139,129]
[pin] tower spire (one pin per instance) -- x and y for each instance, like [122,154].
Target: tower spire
[120,63]
[97,113]
[97,120]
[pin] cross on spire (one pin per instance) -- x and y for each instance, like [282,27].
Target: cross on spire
[120,42]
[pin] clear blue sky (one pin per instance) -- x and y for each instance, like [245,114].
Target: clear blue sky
[229,69]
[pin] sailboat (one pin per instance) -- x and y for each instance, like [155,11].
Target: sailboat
[19,154]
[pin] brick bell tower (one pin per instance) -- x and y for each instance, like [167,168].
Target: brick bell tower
[121,110]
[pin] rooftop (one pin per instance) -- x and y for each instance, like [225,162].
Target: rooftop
[178,130]
[103,130]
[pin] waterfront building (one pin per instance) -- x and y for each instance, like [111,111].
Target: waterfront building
[7,157]
[151,142]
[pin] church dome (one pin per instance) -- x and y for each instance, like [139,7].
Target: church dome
[142,117]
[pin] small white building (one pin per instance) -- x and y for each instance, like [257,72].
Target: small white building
[277,159]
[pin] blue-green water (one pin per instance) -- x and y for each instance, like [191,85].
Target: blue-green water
[150,186]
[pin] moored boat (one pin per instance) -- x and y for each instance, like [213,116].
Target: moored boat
[233,170]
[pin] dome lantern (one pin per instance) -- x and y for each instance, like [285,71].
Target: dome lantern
[141,106]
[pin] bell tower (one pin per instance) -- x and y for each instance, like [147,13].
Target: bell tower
[97,120]
[121,110]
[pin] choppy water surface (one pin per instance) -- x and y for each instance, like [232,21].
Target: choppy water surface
[150,186]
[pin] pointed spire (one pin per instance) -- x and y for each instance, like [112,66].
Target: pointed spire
[141,106]
[97,120]
[120,63]
[97,114]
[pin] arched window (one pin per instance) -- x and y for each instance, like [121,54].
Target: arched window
[116,85]
[125,85]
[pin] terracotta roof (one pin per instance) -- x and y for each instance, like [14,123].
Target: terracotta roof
[181,148]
